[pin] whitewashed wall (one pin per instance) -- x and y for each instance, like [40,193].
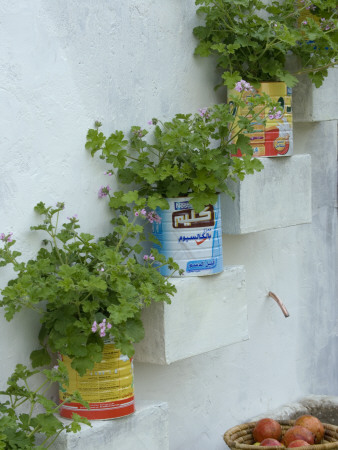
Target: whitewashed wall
[65,64]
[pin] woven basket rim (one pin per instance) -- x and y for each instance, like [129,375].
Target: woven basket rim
[241,430]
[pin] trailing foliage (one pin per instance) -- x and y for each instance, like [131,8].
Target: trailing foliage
[26,412]
[75,283]
[251,39]
[190,155]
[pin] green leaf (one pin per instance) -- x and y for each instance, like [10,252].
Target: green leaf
[47,423]
[130,197]
[82,364]
[230,79]
[41,209]
[40,358]
[288,79]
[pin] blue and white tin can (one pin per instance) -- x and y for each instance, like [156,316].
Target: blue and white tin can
[193,240]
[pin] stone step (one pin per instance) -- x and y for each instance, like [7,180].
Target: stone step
[206,313]
[311,104]
[278,196]
[146,429]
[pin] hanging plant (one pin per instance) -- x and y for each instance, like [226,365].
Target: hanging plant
[252,39]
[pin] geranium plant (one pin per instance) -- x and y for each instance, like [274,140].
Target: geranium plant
[253,39]
[85,290]
[28,418]
[190,155]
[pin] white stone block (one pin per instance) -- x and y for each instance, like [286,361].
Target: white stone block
[311,104]
[146,429]
[278,196]
[206,313]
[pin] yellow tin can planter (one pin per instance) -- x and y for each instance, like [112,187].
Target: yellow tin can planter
[275,138]
[108,388]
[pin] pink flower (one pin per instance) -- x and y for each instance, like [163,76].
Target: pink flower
[6,238]
[274,114]
[243,86]
[149,257]
[138,133]
[101,327]
[204,112]
[153,217]
[104,191]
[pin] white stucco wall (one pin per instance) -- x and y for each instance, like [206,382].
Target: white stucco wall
[65,64]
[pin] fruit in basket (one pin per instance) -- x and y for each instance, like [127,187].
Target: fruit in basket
[297,432]
[267,428]
[298,443]
[313,424]
[268,442]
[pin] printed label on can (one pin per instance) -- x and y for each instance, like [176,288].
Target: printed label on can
[276,137]
[108,388]
[193,240]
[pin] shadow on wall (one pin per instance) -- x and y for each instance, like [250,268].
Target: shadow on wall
[324,407]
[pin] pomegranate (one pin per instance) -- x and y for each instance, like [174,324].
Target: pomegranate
[313,424]
[268,442]
[298,443]
[297,432]
[267,428]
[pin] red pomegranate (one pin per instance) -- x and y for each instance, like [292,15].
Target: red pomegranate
[268,442]
[313,424]
[298,443]
[267,428]
[297,432]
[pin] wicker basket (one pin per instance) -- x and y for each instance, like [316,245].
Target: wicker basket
[240,437]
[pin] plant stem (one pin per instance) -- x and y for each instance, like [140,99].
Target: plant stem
[327,66]
[53,236]
[34,392]
[54,438]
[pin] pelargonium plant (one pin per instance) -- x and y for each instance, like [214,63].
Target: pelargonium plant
[189,155]
[253,39]
[86,290]
[28,417]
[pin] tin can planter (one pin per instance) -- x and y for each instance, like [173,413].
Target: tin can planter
[193,240]
[108,388]
[275,138]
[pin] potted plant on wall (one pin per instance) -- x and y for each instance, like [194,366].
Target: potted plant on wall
[252,39]
[90,294]
[181,167]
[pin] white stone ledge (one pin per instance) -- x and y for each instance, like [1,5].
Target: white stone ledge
[311,104]
[206,313]
[278,196]
[146,429]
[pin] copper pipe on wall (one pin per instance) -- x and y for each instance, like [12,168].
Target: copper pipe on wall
[280,303]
